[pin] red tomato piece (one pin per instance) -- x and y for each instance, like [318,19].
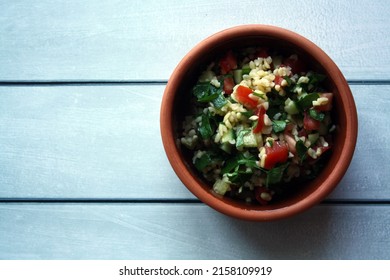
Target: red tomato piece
[242,96]
[228,85]
[328,106]
[296,65]
[228,63]
[324,149]
[309,123]
[265,198]
[278,80]
[260,112]
[289,127]
[278,153]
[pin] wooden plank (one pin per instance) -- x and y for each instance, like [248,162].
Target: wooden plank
[188,231]
[104,142]
[144,40]
[83,142]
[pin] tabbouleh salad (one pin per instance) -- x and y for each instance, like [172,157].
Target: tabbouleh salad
[260,124]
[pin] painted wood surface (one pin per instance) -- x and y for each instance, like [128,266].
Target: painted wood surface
[65,146]
[104,142]
[192,231]
[144,40]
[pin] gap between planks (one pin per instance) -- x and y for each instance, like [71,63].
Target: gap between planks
[139,82]
[165,201]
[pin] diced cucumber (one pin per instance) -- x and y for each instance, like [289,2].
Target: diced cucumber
[240,139]
[246,138]
[290,107]
[250,140]
[239,127]
[237,75]
[227,140]
[313,137]
[259,139]
[228,137]
[221,186]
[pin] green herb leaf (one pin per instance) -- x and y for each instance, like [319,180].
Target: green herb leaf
[240,173]
[208,158]
[219,101]
[246,69]
[301,150]
[275,175]
[288,80]
[260,95]
[248,113]
[316,78]
[205,129]
[278,125]
[319,116]
[307,101]
[229,165]
[239,177]
[240,160]
[248,162]
[206,92]
[204,161]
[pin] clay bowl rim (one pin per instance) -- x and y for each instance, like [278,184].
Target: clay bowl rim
[198,187]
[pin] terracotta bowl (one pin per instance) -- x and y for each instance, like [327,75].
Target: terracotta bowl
[175,102]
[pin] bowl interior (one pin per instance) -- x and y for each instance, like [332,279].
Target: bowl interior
[187,73]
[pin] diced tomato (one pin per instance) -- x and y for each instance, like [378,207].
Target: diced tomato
[228,85]
[228,63]
[309,123]
[260,112]
[289,127]
[242,96]
[259,198]
[278,153]
[278,80]
[296,65]
[328,106]
[262,52]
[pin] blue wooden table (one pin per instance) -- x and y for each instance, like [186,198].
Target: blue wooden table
[83,173]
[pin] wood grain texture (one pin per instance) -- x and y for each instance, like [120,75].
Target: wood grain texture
[104,142]
[167,231]
[144,40]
